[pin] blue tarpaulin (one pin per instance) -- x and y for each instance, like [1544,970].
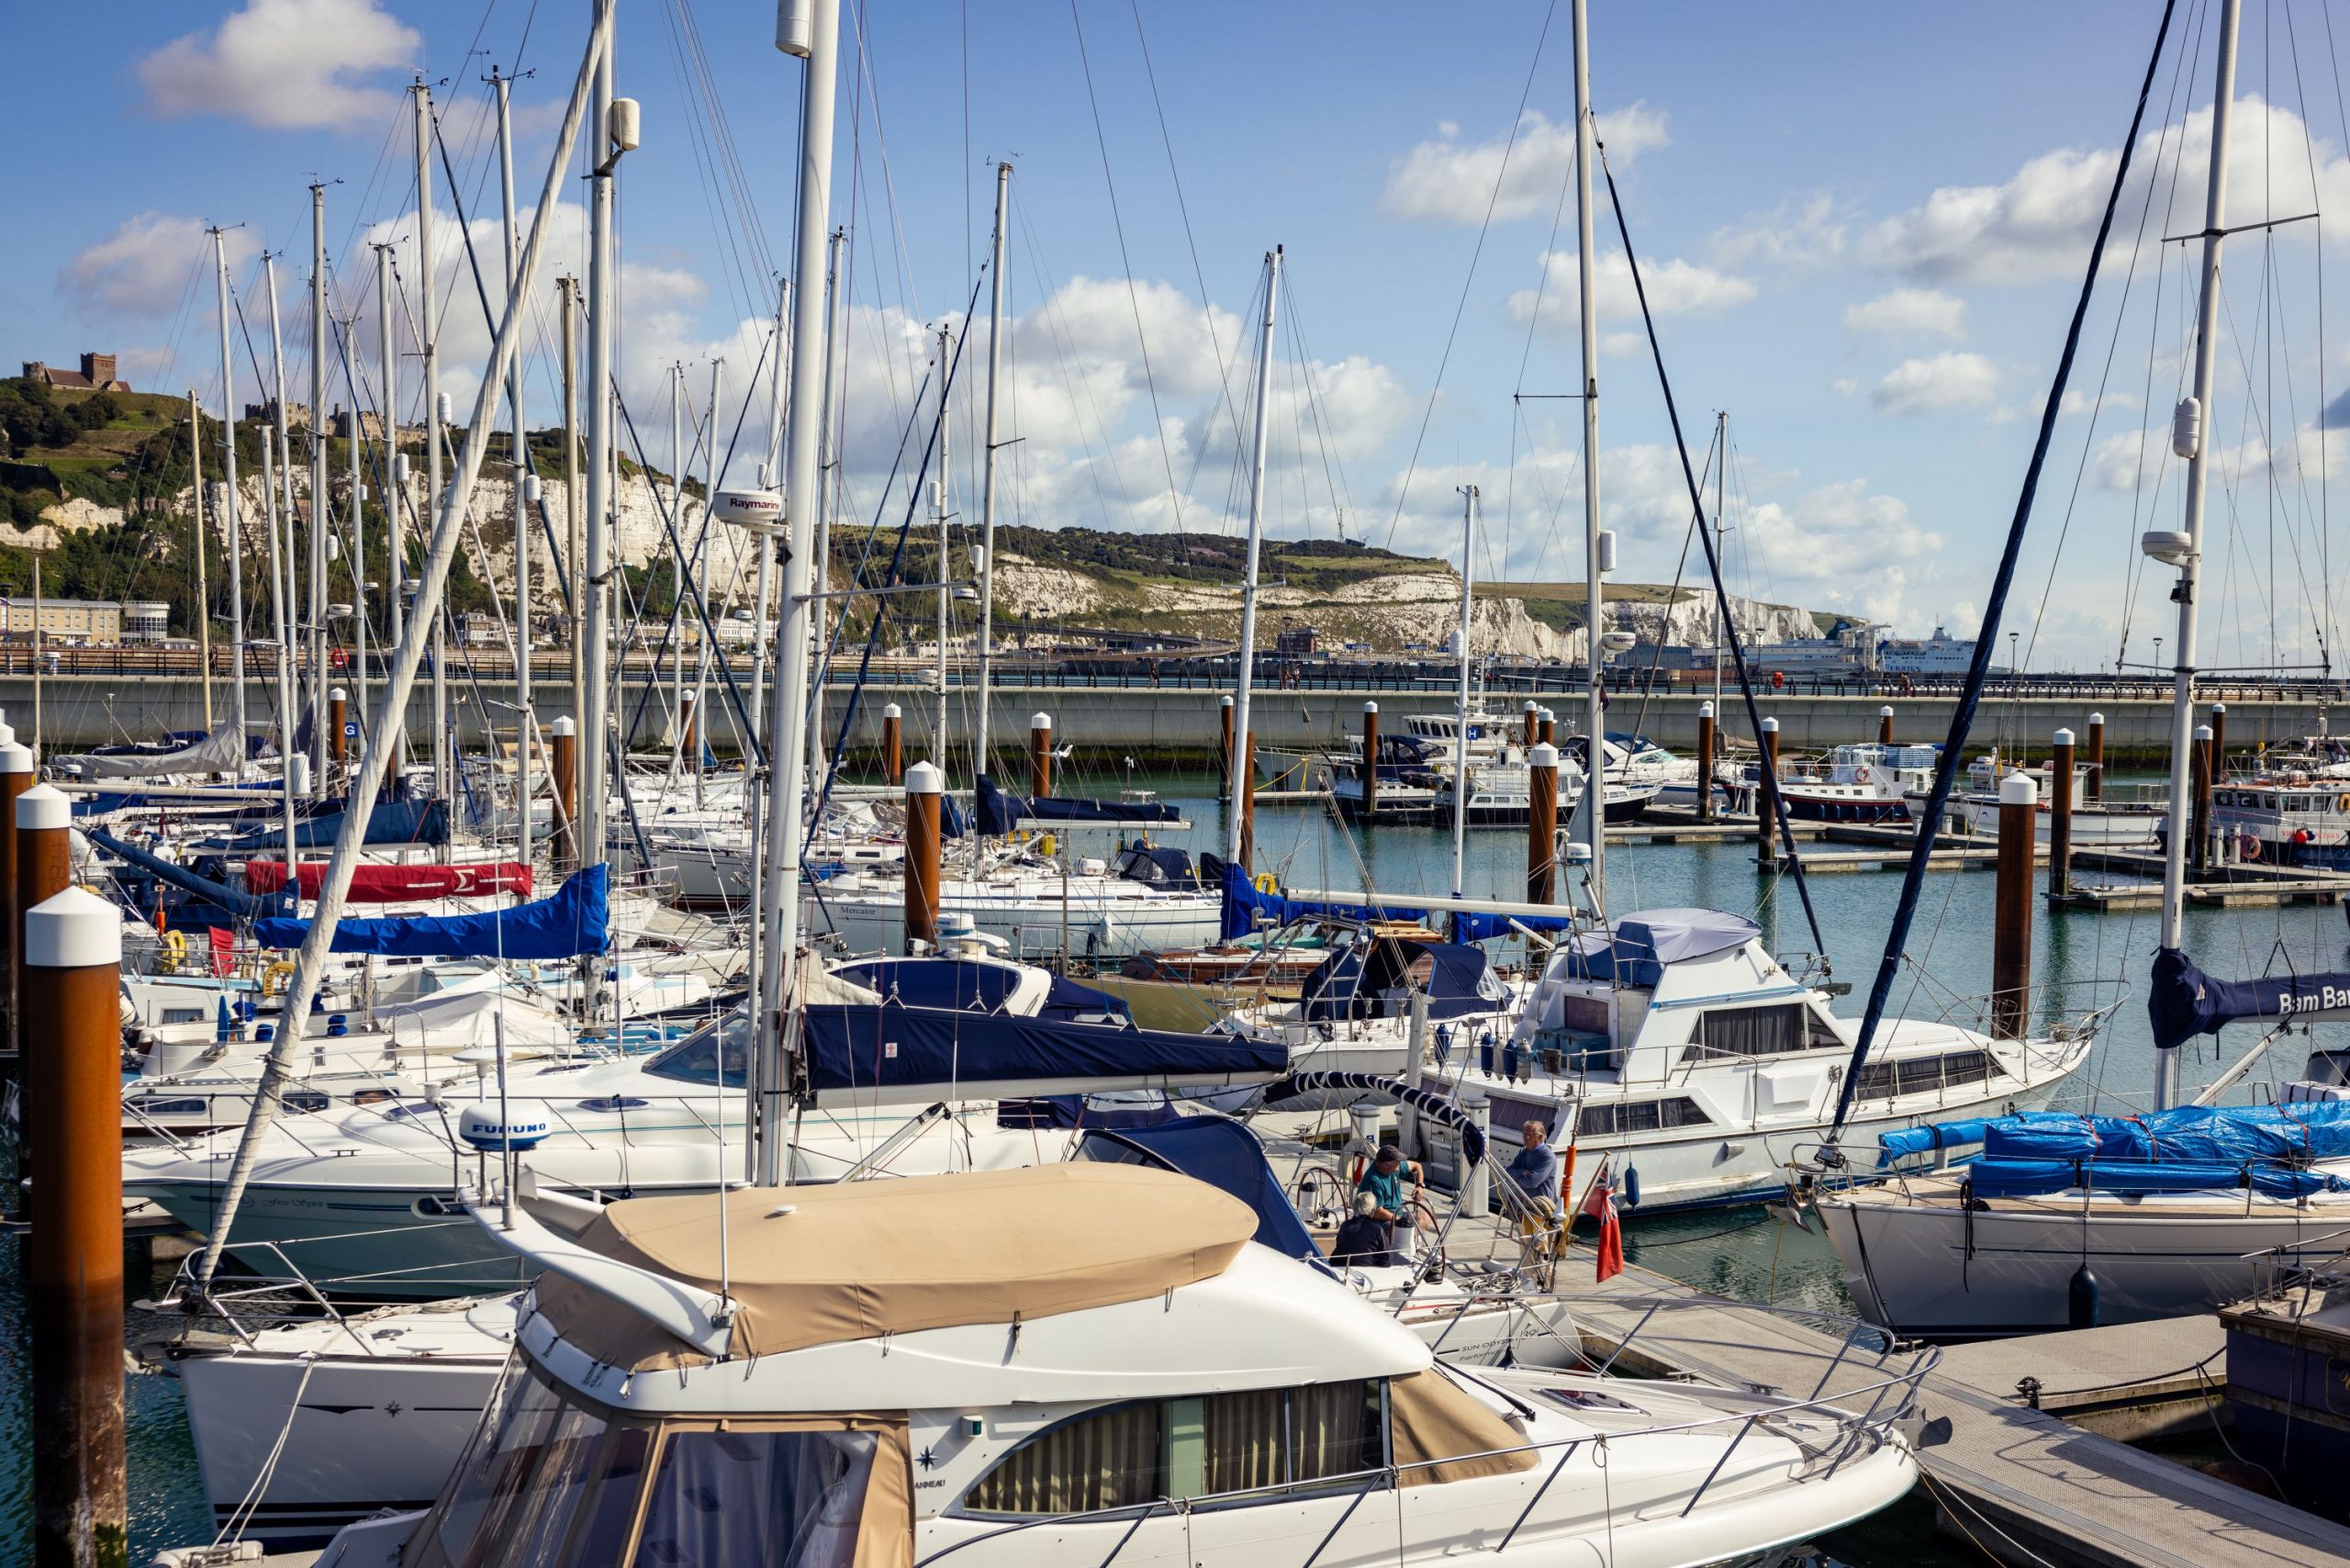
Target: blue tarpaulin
[854,1050]
[570,923]
[2030,1177]
[2183,1001]
[999,813]
[1246,907]
[2183,1138]
[1639,946]
[1224,1153]
[1903,1142]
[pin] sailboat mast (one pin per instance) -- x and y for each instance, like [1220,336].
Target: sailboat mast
[1243,755]
[228,511]
[316,610]
[281,580]
[1460,709]
[939,498]
[525,723]
[1721,469]
[813,34]
[2192,425]
[202,592]
[770,473]
[1593,818]
[987,461]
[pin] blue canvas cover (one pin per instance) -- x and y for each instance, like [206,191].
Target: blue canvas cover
[959,982]
[2183,1001]
[570,923]
[1244,904]
[1991,1178]
[2230,1133]
[1902,1142]
[999,813]
[243,906]
[1224,1153]
[1371,979]
[1641,946]
[1471,925]
[392,822]
[853,1051]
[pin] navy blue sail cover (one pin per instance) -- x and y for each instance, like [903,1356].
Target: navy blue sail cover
[1246,907]
[1474,925]
[1373,979]
[961,983]
[572,922]
[2184,1002]
[1224,1153]
[863,1048]
[1000,812]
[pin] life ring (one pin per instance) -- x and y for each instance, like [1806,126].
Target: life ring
[1266,883]
[275,978]
[2247,847]
[2343,804]
[1778,679]
[174,947]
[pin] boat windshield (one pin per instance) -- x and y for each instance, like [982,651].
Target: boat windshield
[718,1052]
[552,1481]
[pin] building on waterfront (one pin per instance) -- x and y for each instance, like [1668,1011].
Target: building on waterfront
[97,375]
[73,623]
[1297,642]
[145,621]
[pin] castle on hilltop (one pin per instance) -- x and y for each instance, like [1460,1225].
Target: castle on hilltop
[97,375]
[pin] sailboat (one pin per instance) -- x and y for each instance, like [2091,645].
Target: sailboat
[2068,1221]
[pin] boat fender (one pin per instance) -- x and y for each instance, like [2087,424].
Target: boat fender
[1267,883]
[174,947]
[1045,846]
[1509,1061]
[2080,1306]
[1631,1186]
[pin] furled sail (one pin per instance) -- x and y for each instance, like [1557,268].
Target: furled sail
[1000,812]
[2184,1002]
[222,751]
[572,922]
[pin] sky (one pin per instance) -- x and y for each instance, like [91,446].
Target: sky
[1862,231]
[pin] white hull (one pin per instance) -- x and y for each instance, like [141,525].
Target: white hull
[1103,917]
[1924,1268]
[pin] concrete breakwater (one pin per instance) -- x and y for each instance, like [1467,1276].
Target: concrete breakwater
[1170,722]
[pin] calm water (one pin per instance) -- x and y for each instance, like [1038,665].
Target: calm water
[2080,960]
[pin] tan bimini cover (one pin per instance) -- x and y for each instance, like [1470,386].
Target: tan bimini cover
[862,1259]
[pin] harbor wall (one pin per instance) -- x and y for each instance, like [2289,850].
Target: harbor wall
[1179,724]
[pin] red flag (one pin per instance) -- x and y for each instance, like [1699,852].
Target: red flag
[224,952]
[1600,1205]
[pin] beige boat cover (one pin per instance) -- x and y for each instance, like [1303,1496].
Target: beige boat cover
[1431,1418]
[884,1256]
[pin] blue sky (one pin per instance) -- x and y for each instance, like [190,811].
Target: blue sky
[1864,226]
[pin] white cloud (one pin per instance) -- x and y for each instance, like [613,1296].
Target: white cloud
[2037,224]
[1843,386]
[1446,181]
[1937,385]
[1675,288]
[143,267]
[284,65]
[1801,231]
[1910,313]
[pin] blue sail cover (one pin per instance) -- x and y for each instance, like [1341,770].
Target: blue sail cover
[1641,945]
[392,822]
[964,983]
[1244,904]
[2035,1178]
[854,1051]
[1375,979]
[1224,1153]
[565,926]
[1472,926]
[2183,1001]
[1000,812]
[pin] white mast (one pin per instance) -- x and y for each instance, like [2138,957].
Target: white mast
[281,578]
[525,723]
[358,507]
[395,471]
[428,330]
[809,28]
[2188,439]
[1241,759]
[1721,468]
[1594,782]
[701,566]
[1460,709]
[230,512]
[827,489]
[987,466]
[678,568]
[590,582]
[770,474]
[940,496]
[316,613]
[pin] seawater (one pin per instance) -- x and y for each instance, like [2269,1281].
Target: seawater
[2082,960]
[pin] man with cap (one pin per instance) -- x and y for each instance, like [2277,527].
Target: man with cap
[1383,1179]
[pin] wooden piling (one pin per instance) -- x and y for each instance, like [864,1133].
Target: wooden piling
[1224,746]
[891,767]
[2011,908]
[1040,754]
[1533,717]
[689,730]
[2096,790]
[338,715]
[1705,762]
[1766,797]
[1249,803]
[1370,756]
[73,1273]
[1885,725]
[2060,816]
[1546,730]
[1541,825]
[2219,745]
[925,787]
[565,850]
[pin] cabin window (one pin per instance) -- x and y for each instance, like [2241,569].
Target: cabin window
[737,1497]
[183,1014]
[1639,1117]
[1761,1031]
[1271,1440]
[696,1058]
[1925,1075]
[1583,1014]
